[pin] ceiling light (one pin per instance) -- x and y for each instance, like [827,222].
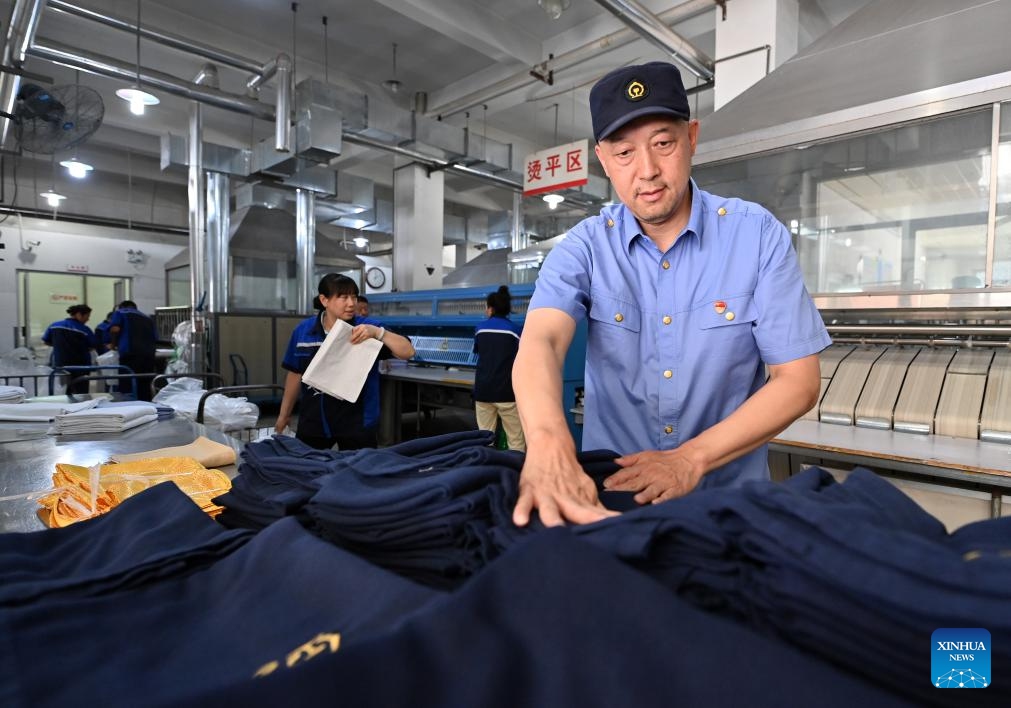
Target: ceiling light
[554,8]
[553,200]
[392,85]
[52,197]
[76,168]
[138,98]
[361,241]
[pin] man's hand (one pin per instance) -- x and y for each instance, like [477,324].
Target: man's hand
[560,491]
[656,475]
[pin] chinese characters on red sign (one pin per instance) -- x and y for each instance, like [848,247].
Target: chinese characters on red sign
[556,168]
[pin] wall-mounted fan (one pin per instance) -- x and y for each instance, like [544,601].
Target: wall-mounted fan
[57,118]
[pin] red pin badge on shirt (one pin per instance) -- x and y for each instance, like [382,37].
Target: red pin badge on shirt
[720,307]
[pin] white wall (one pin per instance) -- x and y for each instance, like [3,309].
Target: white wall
[65,247]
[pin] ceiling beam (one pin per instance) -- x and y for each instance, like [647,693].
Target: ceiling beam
[473,26]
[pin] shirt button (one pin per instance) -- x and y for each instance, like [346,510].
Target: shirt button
[666,319]
[667,374]
[668,430]
[729,316]
[665,265]
[619,317]
[721,211]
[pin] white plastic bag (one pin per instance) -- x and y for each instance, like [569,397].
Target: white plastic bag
[220,411]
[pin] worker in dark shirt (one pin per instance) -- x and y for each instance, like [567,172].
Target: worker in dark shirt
[102,335]
[496,341]
[134,336]
[72,342]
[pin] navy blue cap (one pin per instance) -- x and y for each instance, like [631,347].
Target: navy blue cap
[635,91]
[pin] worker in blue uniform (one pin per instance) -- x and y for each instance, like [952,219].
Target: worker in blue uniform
[134,335]
[688,296]
[72,342]
[496,341]
[102,336]
[325,421]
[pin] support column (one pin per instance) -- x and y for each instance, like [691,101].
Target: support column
[520,240]
[218,227]
[305,249]
[198,240]
[750,25]
[417,228]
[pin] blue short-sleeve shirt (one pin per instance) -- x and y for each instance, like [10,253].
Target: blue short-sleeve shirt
[138,335]
[321,414]
[71,341]
[677,340]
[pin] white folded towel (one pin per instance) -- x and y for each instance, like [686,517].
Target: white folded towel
[107,419]
[41,412]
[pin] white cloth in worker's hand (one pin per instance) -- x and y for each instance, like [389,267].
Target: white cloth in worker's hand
[340,367]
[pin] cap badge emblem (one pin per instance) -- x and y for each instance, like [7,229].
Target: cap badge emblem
[636,90]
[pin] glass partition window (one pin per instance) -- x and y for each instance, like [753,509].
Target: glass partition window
[1002,246]
[898,209]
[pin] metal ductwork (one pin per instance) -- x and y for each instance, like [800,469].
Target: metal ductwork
[567,60]
[21,27]
[490,268]
[655,31]
[165,38]
[890,61]
[117,69]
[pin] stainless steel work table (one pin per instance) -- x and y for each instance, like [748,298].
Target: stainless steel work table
[442,388]
[28,458]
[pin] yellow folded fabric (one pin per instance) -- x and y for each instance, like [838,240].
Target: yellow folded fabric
[205,451]
[73,500]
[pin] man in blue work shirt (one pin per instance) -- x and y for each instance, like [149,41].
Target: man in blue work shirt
[688,296]
[134,335]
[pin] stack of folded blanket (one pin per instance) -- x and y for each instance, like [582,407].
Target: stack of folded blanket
[12,394]
[105,418]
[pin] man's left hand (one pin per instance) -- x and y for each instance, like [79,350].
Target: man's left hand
[656,475]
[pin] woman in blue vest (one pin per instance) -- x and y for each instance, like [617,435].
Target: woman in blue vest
[323,420]
[496,341]
[72,341]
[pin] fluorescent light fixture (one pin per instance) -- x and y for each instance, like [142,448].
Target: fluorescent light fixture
[138,98]
[553,200]
[361,241]
[76,168]
[52,197]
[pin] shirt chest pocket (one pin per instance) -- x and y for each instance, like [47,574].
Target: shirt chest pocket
[724,326]
[614,326]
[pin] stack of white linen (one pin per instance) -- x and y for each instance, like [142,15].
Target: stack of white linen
[105,419]
[12,394]
[41,412]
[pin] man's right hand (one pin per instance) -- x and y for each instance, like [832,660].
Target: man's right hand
[281,424]
[555,485]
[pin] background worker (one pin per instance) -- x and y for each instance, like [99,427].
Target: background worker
[688,297]
[134,335]
[496,341]
[325,421]
[363,306]
[72,342]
